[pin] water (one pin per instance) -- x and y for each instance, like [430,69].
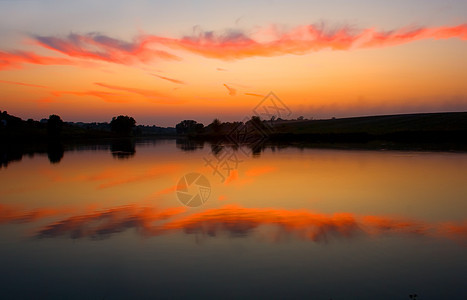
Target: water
[104,222]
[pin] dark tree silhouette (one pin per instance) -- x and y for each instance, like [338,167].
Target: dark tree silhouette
[256,124]
[216,125]
[54,126]
[122,125]
[189,127]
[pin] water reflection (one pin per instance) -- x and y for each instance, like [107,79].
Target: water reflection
[236,221]
[122,148]
[55,149]
[55,152]
[14,152]
[288,222]
[187,144]
[126,148]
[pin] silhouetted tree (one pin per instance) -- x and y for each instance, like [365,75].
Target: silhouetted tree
[189,127]
[54,126]
[216,125]
[256,122]
[122,125]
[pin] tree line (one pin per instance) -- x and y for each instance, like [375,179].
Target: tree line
[120,126]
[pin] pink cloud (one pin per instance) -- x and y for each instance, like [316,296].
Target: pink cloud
[300,40]
[228,45]
[15,60]
[103,48]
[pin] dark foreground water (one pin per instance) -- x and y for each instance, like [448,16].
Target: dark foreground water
[106,222]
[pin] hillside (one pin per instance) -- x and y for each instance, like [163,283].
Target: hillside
[379,125]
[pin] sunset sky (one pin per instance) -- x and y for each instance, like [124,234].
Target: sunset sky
[165,61]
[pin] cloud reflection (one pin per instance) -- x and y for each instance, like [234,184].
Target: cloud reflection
[231,220]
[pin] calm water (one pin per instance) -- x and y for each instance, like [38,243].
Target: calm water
[105,222]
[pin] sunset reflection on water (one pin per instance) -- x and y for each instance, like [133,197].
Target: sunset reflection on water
[289,211]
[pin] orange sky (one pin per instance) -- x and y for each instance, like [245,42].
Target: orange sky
[318,69]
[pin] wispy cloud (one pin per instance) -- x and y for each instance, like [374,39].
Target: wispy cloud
[274,40]
[16,59]
[106,96]
[232,91]
[169,79]
[23,84]
[231,44]
[101,47]
[255,95]
[143,92]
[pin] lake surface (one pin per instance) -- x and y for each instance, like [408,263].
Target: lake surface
[109,222]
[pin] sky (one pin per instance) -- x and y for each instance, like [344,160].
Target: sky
[165,61]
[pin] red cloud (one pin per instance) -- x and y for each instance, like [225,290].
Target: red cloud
[300,40]
[14,60]
[270,41]
[104,48]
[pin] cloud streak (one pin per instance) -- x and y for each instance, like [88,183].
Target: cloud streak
[153,94]
[274,41]
[230,44]
[101,47]
[15,60]
[232,91]
[23,84]
[169,79]
[255,95]
[106,96]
